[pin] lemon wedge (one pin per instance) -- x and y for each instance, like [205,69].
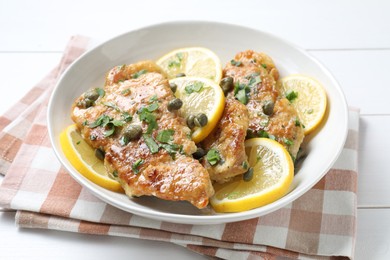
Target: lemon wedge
[193,62]
[270,175]
[308,97]
[82,156]
[200,96]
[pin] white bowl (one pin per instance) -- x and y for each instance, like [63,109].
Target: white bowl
[322,147]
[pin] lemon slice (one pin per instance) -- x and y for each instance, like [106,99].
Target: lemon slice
[82,156]
[193,62]
[200,96]
[273,172]
[308,98]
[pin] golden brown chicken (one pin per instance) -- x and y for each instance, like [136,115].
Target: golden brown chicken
[270,114]
[146,146]
[228,140]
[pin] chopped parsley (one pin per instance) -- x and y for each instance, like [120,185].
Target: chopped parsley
[152,145]
[254,79]
[152,107]
[101,92]
[264,65]
[241,92]
[115,173]
[165,136]
[213,156]
[291,95]
[138,74]
[245,165]
[107,122]
[194,87]
[153,98]
[136,165]
[236,63]
[112,105]
[127,117]
[288,141]
[172,149]
[126,92]
[176,63]
[146,115]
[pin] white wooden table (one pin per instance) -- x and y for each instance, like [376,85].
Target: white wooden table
[352,39]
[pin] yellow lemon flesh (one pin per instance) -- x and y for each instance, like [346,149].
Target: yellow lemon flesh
[193,62]
[273,172]
[82,156]
[308,98]
[200,95]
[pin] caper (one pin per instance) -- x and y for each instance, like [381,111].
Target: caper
[85,103]
[99,153]
[226,84]
[173,87]
[91,94]
[175,104]
[200,120]
[180,75]
[132,132]
[250,133]
[268,107]
[190,121]
[248,176]
[200,152]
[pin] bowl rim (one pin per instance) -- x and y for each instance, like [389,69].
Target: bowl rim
[199,219]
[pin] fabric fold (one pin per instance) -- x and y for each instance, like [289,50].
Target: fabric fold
[321,224]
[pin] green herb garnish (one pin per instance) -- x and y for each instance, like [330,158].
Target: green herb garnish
[112,105]
[194,87]
[126,92]
[213,156]
[136,165]
[108,122]
[152,107]
[138,74]
[291,95]
[254,79]
[236,63]
[152,145]
[176,63]
[288,141]
[153,98]
[245,165]
[146,115]
[101,92]
[165,136]
[127,117]
[241,92]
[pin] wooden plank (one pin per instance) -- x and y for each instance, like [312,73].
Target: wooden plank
[46,25]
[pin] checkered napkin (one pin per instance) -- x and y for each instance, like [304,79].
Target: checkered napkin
[319,225]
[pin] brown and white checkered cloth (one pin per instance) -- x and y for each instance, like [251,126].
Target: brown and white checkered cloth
[319,225]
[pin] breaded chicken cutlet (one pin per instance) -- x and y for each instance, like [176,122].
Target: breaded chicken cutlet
[264,113]
[146,147]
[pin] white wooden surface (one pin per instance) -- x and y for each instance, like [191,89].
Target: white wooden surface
[352,39]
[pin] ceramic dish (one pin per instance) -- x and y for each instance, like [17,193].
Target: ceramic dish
[322,147]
